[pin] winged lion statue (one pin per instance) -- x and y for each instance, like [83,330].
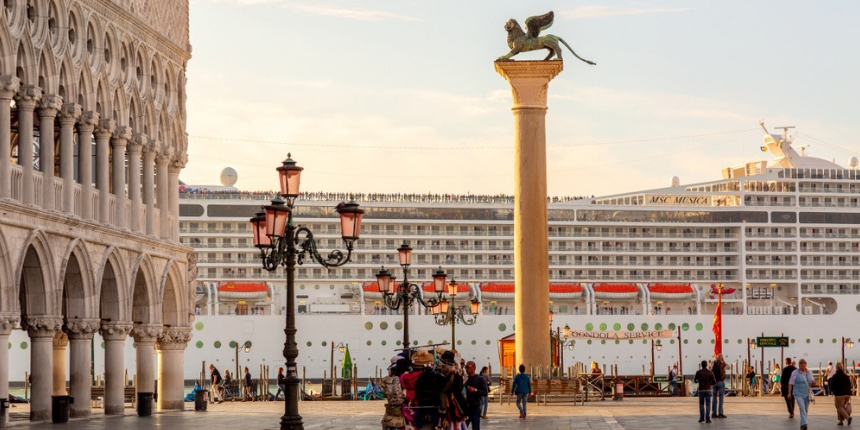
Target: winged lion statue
[522,41]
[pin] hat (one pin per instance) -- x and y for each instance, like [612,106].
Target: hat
[422,357]
[400,367]
[448,358]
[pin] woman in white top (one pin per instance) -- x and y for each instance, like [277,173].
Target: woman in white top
[800,387]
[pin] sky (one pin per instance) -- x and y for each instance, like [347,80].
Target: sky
[401,96]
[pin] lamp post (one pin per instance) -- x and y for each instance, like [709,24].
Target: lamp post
[282,243]
[404,294]
[341,348]
[850,344]
[564,340]
[659,347]
[247,346]
[446,313]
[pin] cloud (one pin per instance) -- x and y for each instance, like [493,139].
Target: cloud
[357,14]
[601,11]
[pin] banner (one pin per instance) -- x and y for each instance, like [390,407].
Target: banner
[718,323]
[622,335]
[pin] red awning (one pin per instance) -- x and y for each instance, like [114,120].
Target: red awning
[671,289]
[243,288]
[616,288]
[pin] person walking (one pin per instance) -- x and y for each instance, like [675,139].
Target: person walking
[705,379]
[829,372]
[228,385]
[247,392]
[215,386]
[673,379]
[476,392]
[800,387]
[522,388]
[751,379]
[783,386]
[282,384]
[719,369]
[485,373]
[840,387]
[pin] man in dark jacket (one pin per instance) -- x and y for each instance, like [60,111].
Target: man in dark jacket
[840,387]
[719,369]
[787,370]
[705,379]
[476,390]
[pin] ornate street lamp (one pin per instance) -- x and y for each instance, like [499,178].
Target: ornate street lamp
[447,313]
[282,243]
[563,336]
[403,295]
[850,344]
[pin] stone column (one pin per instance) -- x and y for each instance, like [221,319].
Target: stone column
[8,88]
[171,362]
[61,341]
[8,321]
[173,195]
[86,125]
[114,334]
[120,139]
[25,102]
[103,133]
[69,114]
[48,108]
[135,145]
[149,185]
[80,332]
[529,83]
[145,337]
[41,330]
[161,162]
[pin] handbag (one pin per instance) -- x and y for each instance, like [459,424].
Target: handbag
[848,407]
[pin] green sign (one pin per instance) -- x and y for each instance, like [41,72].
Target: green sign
[666,378]
[772,342]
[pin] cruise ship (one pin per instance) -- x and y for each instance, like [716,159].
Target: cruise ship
[781,237]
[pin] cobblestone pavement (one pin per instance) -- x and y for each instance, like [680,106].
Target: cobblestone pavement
[648,413]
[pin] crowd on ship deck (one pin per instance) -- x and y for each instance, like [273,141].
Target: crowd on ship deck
[375,197]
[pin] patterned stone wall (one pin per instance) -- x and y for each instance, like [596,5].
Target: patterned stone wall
[167,17]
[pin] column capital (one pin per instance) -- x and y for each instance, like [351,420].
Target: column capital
[28,96]
[178,163]
[121,135]
[61,339]
[69,113]
[9,86]
[529,80]
[147,332]
[137,142]
[174,338]
[8,321]
[115,330]
[153,146]
[88,120]
[49,105]
[165,155]
[43,326]
[82,328]
[105,128]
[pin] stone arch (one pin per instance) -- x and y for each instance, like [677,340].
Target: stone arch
[135,120]
[164,133]
[149,125]
[141,71]
[16,18]
[57,22]
[25,63]
[114,303]
[170,89]
[119,108]
[93,43]
[111,52]
[173,308]
[156,77]
[103,102]
[145,307]
[36,20]
[180,143]
[7,52]
[126,62]
[48,76]
[36,278]
[76,33]
[8,291]
[86,96]
[66,85]
[79,292]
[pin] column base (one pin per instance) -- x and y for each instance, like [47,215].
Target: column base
[83,413]
[171,405]
[114,410]
[40,415]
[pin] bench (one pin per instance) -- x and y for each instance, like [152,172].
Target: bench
[97,395]
[548,390]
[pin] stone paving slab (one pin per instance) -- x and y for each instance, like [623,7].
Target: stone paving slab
[643,413]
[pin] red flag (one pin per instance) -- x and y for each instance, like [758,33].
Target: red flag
[718,323]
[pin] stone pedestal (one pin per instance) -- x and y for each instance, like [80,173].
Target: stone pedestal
[145,337]
[80,332]
[529,83]
[114,335]
[41,330]
[171,362]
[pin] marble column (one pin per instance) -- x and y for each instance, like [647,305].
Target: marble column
[61,341]
[69,114]
[145,336]
[8,321]
[135,146]
[80,332]
[148,174]
[161,162]
[173,170]
[114,334]
[171,363]
[119,141]
[529,82]
[86,126]
[41,330]
[25,103]
[103,133]
[8,88]
[48,108]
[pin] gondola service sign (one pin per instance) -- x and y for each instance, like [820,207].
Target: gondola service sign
[622,335]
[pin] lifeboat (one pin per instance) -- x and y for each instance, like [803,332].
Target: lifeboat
[243,291]
[371,290]
[497,291]
[671,292]
[616,291]
[565,291]
[725,290]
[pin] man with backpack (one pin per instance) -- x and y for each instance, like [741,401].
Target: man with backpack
[719,369]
